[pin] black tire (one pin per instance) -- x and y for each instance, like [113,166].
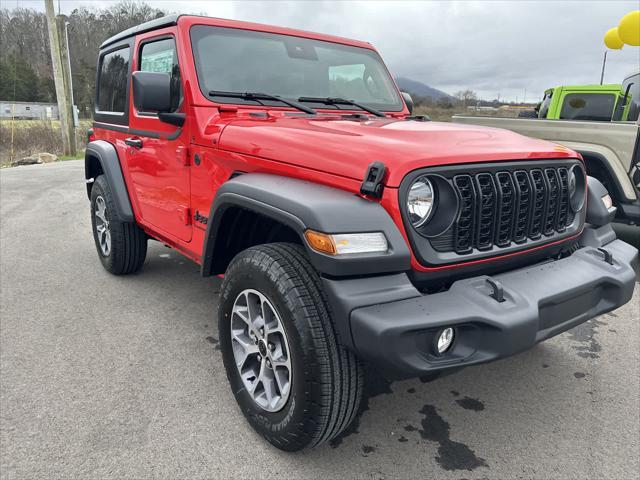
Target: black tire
[327,379]
[128,246]
[527,114]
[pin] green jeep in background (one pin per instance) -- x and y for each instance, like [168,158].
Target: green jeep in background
[600,103]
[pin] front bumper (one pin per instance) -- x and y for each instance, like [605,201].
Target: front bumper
[398,330]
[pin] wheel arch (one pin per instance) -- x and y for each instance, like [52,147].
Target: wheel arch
[598,167]
[293,206]
[101,158]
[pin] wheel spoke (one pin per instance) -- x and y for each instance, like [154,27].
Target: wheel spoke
[251,382]
[280,363]
[243,315]
[281,378]
[245,350]
[253,308]
[269,386]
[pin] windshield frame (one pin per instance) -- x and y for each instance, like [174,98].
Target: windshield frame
[399,107]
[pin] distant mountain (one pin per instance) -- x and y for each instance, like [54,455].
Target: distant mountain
[420,89]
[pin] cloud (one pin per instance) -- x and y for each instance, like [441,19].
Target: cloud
[492,47]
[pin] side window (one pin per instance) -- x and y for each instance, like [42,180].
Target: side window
[160,56]
[588,106]
[112,82]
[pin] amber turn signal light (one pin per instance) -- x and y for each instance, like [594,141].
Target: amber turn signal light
[320,242]
[346,243]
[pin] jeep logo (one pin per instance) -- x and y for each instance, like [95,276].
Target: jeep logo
[200,218]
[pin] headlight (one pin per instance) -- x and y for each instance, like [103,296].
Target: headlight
[577,188]
[420,201]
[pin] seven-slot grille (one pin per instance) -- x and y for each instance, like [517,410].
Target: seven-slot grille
[504,207]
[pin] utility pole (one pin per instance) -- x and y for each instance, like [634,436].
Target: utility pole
[63,37]
[65,109]
[604,62]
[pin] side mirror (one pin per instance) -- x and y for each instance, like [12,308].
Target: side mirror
[408,100]
[152,91]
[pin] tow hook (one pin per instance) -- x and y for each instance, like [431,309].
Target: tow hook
[497,292]
[608,256]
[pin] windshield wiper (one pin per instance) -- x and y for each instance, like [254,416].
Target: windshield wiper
[342,101]
[262,96]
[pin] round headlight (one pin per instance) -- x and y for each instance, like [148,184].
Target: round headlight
[577,188]
[420,201]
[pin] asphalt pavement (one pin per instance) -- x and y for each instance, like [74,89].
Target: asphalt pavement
[121,377]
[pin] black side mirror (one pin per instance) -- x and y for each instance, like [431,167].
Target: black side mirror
[408,100]
[152,91]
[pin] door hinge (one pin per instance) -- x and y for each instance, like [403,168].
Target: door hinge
[185,215]
[182,154]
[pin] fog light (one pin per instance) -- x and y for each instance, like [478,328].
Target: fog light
[445,339]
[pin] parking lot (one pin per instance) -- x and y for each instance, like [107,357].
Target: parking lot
[121,377]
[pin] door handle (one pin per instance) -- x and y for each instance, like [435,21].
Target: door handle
[134,142]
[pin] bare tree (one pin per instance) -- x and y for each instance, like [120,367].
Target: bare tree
[466,97]
[24,35]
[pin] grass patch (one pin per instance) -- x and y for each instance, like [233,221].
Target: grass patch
[78,156]
[22,138]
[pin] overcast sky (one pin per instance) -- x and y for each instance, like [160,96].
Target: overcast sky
[492,47]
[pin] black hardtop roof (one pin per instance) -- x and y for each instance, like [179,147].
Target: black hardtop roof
[161,22]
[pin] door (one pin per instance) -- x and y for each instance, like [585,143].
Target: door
[157,155]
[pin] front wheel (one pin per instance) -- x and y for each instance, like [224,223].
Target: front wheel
[294,381]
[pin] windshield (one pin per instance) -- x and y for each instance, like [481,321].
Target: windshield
[233,60]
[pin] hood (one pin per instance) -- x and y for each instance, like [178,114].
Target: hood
[346,147]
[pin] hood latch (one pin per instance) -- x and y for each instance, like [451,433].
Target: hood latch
[372,183]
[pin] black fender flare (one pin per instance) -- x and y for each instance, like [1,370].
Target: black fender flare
[107,155]
[590,156]
[302,205]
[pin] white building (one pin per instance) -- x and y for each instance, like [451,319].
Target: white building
[28,110]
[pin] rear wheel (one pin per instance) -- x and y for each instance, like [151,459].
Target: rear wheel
[527,114]
[121,246]
[294,381]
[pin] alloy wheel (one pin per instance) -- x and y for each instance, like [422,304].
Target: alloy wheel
[261,350]
[102,226]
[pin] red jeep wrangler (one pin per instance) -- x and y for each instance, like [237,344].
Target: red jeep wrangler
[347,230]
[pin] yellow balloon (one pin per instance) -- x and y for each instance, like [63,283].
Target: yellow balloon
[629,28]
[612,40]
